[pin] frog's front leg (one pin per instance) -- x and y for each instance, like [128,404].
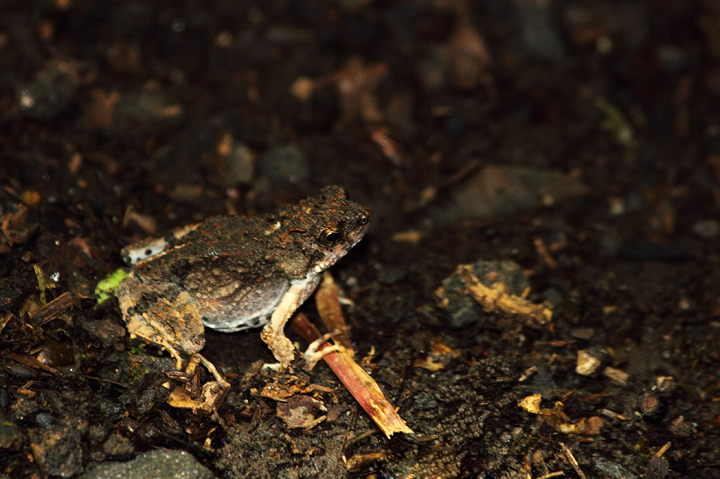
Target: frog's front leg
[273,334]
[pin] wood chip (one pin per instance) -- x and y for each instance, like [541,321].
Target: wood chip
[53,309]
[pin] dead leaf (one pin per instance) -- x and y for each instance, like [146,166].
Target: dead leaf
[356,85]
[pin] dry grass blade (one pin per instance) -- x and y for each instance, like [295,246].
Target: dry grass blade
[328,305]
[571,458]
[363,388]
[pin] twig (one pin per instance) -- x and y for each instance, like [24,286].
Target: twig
[363,388]
[663,449]
[552,474]
[572,460]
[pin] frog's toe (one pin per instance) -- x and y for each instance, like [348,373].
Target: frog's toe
[281,347]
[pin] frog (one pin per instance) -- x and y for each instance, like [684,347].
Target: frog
[232,273]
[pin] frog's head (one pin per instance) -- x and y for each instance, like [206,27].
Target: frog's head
[325,227]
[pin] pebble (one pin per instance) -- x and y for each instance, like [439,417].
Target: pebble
[283,165]
[658,468]
[497,191]
[682,428]
[587,363]
[612,470]
[706,229]
[462,309]
[57,451]
[650,405]
[158,464]
[10,433]
[540,34]
[239,165]
[48,95]
[117,445]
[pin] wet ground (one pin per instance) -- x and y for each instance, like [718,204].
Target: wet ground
[578,140]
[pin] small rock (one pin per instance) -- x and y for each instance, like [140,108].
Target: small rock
[590,426]
[584,333]
[616,375]
[50,93]
[239,165]
[10,434]
[540,33]
[682,428]
[159,464]
[118,445]
[97,433]
[23,408]
[425,400]
[587,363]
[283,165]
[57,451]
[145,401]
[612,470]
[706,229]
[463,309]
[650,405]
[665,384]
[503,190]
[45,420]
[658,468]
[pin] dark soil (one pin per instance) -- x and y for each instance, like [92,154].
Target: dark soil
[121,120]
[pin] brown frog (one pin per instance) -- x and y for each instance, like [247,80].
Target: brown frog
[233,272]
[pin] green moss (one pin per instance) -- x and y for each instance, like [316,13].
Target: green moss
[106,288]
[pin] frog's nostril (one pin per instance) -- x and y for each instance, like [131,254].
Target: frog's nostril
[363,219]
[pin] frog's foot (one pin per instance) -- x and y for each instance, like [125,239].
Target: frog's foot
[211,396]
[191,367]
[209,400]
[312,355]
[281,347]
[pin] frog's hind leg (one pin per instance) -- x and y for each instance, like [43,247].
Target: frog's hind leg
[163,315]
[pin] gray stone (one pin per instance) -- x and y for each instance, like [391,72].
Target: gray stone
[462,309]
[159,464]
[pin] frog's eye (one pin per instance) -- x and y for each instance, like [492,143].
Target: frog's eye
[330,236]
